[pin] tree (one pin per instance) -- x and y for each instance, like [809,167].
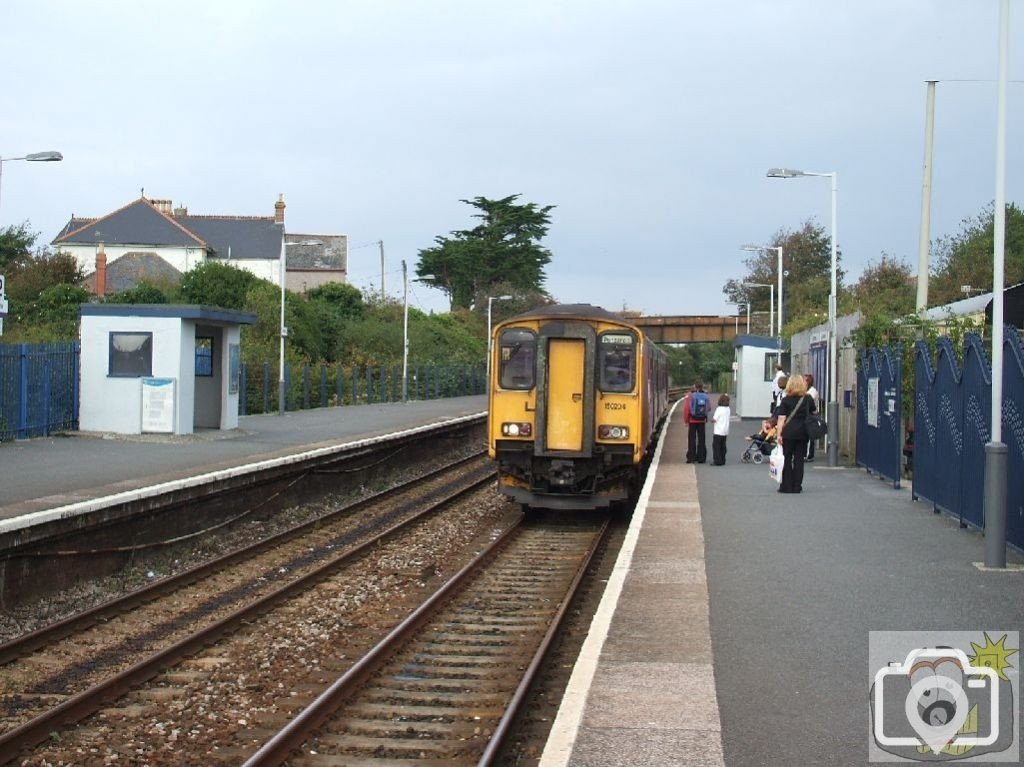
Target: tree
[505,247]
[142,293]
[343,301]
[887,287]
[213,284]
[966,258]
[807,280]
[16,243]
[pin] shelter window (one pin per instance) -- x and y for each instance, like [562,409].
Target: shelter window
[131,355]
[204,357]
[617,362]
[517,357]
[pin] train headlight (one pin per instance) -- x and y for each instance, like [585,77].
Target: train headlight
[613,432]
[516,429]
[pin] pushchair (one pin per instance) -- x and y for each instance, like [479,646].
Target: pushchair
[759,448]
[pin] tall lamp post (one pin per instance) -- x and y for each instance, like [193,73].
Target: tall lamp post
[778,291]
[283,329]
[771,298]
[34,157]
[832,411]
[490,300]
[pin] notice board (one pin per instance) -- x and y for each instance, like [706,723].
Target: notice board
[158,405]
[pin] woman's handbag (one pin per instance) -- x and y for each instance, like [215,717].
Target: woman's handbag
[816,428]
[775,462]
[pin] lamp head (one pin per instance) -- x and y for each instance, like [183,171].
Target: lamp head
[784,173]
[44,157]
[752,248]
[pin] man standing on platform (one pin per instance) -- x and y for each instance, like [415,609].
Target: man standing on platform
[695,416]
[777,387]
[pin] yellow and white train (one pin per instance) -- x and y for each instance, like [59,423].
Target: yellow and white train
[576,395]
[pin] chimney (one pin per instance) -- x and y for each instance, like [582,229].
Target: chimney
[179,212]
[164,206]
[279,210]
[100,288]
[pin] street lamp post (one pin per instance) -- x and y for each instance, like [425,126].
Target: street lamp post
[778,292]
[34,157]
[832,412]
[490,300]
[283,329]
[771,298]
[405,333]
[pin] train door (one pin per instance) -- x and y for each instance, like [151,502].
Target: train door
[566,386]
[565,390]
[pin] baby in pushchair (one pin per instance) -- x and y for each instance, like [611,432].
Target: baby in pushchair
[762,443]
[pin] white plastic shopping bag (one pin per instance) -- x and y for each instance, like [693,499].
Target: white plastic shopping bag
[775,461]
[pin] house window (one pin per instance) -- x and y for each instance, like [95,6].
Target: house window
[131,355]
[204,357]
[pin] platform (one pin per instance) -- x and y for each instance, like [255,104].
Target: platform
[46,474]
[735,626]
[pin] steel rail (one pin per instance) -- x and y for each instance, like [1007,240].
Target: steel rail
[289,739]
[504,726]
[276,750]
[46,635]
[38,729]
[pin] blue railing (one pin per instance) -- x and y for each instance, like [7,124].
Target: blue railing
[880,412]
[38,389]
[952,412]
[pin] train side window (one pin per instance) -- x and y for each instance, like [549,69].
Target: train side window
[617,362]
[517,355]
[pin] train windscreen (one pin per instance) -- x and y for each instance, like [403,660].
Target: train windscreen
[617,362]
[517,356]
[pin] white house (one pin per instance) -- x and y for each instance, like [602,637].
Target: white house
[149,240]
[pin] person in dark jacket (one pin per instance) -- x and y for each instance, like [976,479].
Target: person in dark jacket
[696,441]
[792,413]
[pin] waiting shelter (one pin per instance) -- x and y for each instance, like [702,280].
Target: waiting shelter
[159,368]
[754,364]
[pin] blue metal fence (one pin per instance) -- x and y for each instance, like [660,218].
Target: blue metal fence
[952,406]
[880,419]
[38,389]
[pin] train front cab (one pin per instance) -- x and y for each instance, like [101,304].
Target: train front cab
[566,419]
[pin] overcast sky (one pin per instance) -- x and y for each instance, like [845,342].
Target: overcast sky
[650,125]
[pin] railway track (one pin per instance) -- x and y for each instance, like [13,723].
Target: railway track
[444,687]
[78,666]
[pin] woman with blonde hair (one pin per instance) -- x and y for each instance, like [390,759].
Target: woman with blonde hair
[792,413]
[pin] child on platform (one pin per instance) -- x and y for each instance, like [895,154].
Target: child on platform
[720,418]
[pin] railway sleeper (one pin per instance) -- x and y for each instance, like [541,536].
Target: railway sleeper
[466,661]
[421,713]
[457,700]
[449,670]
[461,729]
[400,683]
[337,760]
[408,748]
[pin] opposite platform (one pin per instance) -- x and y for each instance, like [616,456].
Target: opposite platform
[49,473]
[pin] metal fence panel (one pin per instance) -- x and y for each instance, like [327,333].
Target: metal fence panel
[879,447]
[976,415]
[38,389]
[1013,434]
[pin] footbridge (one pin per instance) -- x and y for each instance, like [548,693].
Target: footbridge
[687,329]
